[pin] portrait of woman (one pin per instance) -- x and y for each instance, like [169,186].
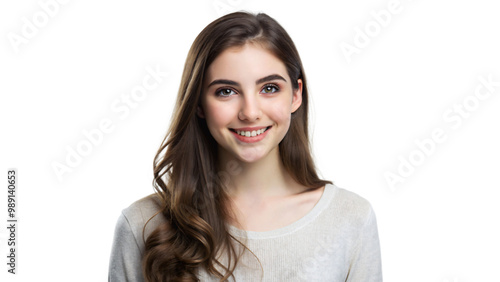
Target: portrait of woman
[238,196]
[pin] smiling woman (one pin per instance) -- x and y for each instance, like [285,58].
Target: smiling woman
[258,97]
[237,193]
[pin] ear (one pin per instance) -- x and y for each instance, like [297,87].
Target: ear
[297,96]
[200,112]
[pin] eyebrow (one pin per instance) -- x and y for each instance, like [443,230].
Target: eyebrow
[259,81]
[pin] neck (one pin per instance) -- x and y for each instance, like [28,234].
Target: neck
[262,179]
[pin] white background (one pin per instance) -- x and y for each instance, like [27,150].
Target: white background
[368,110]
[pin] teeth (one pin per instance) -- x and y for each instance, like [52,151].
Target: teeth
[251,133]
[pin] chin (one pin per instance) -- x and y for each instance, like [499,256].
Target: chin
[251,155]
[250,158]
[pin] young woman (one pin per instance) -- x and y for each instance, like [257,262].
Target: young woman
[237,194]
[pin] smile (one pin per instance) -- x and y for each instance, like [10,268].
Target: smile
[250,135]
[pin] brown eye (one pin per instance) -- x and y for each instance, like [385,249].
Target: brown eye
[270,88]
[225,92]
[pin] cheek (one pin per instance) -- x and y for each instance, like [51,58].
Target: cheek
[218,114]
[280,112]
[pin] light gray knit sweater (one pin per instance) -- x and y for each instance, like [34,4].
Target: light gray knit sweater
[336,241]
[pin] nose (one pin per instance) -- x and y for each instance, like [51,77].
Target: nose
[250,109]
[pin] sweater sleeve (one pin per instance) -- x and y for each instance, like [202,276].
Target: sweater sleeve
[366,264]
[125,260]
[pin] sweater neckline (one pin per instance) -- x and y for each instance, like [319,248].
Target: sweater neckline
[322,203]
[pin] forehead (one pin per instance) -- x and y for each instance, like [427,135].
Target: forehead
[245,63]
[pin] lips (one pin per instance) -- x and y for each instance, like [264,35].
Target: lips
[250,134]
[250,131]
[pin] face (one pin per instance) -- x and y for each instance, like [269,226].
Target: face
[247,102]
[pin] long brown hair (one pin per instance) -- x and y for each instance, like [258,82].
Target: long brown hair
[186,171]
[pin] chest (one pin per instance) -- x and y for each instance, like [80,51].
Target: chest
[275,213]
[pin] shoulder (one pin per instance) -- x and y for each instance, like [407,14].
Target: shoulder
[349,207]
[128,243]
[137,215]
[143,208]
[353,221]
[350,201]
